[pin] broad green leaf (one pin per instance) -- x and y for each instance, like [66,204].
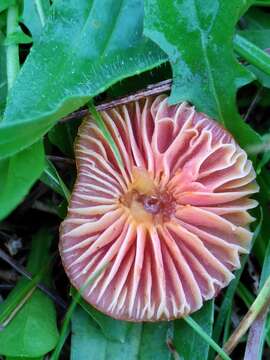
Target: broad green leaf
[64,332]
[206,73]
[142,342]
[3,75]
[141,81]
[87,339]
[32,332]
[34,16]
[4,4]
[18,174]
[23,358]
[112,329]
[83,49]
[154,340]
[189,344]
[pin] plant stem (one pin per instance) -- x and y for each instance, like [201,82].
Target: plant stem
[206,337]
[260,304]
[252,53]
[152,89]
[12,51]
[40,12]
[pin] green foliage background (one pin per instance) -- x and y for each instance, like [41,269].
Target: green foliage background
[80,49]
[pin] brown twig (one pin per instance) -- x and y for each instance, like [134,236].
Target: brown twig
[152,89]
[21,270]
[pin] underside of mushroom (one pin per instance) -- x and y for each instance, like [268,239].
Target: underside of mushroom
[166,225]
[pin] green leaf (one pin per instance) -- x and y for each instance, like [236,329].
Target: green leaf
[51,178]
[252,53]
[17,37]
[262,3]
[70,311]
[17,298]
[266,151]
[34,15]
[207,338]
[256,27]
[87,48]
[257,30]
[226,304]
[111,328]
[142,342]
[18,174]
[4,4]
[32,332]
[198,69]
[23,358]
[3,75]
[63,135]
[154,340]
[186,340]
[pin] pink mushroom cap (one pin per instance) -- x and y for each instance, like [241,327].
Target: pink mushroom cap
[165,228]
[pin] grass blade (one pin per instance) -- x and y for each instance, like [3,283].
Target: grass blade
[207,338]
[260,305]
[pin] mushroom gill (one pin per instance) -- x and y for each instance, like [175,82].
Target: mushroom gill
[170,222]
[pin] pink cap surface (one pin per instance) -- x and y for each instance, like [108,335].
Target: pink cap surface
[168,225]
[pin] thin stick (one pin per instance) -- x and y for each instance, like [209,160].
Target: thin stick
[21,270]
[152,89]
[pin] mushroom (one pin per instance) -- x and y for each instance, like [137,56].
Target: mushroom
[170,221]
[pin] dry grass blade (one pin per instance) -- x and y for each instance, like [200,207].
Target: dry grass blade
[259,307]
[255,337]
